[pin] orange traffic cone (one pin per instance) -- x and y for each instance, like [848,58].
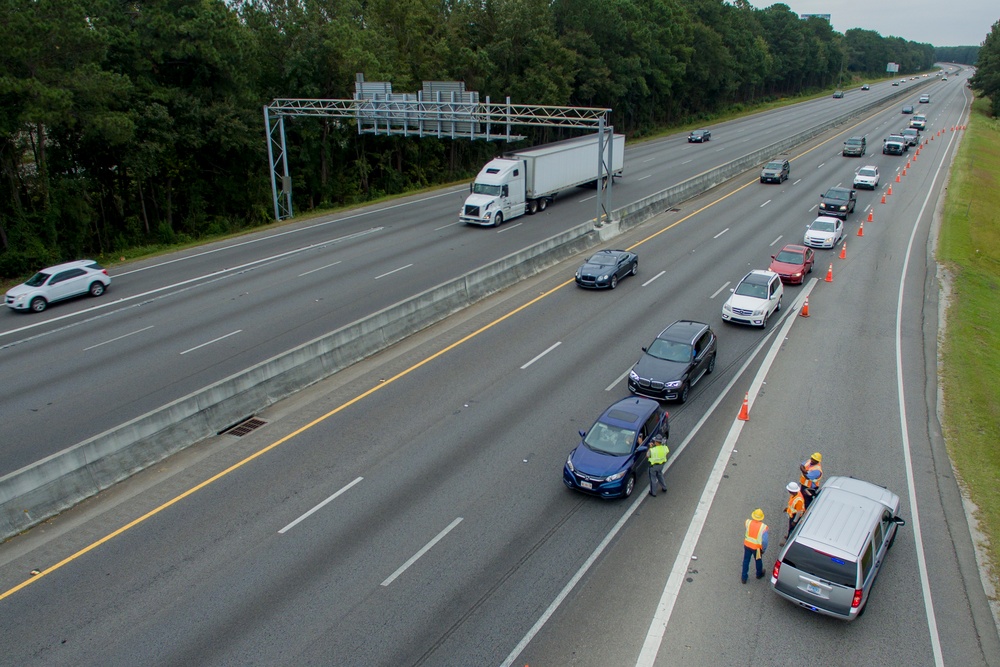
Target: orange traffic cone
[871,216]
[829,274]
[897,180]
[804,312]
[843,250]
[883,197]
[907,165]
[889,191]
[745,410]
[904,173]
[861,228]
[916,154]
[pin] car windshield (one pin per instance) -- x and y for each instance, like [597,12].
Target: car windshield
[909,132]
[821,565]
[37,280]
[789,257]
[484,189]
[836,194]
[612,440]
[823,226]
[602,260]
[669,350]
[773,165]
[867,172]
[752,289]
[853,142]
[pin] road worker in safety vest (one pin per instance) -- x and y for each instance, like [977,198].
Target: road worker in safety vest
[796,507]
[657,455]
[811,475]
[754,544]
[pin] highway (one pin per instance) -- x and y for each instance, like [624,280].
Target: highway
[170,326]
[410,510]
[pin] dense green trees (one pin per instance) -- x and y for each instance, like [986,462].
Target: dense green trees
[125,123]
[965,55]
[987,77]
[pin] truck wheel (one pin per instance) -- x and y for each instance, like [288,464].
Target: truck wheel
[532,206]
[498,220]
[542,203]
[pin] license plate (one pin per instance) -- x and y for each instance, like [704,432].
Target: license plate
[586,485]
[815,590]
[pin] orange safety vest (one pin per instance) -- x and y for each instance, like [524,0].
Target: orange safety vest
[754,539]
[796,505]
[811,483]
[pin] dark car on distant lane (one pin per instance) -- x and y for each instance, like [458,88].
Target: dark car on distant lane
[611,454]
[606,267]
[792,263]
[908,108]
[674,362]
[699,136]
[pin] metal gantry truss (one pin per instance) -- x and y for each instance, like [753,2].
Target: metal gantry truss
[443,110]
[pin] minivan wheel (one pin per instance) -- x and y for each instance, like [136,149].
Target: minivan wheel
[629,486]
[96,288]
[38,304]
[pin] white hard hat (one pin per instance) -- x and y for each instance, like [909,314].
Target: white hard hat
[793,487]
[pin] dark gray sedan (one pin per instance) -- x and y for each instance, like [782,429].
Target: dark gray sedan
[699,136]
[606,267]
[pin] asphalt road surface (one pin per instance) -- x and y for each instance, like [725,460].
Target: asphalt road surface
[410,510]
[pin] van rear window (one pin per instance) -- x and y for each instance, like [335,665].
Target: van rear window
[824,566]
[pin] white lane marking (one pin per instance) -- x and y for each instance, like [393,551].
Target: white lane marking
[686,161]
[644,177]
[867,207]
[721,233]
[815,206]
[717,150]
[821,165]
[587,199]
[213,274]
[765,203]
[653,278]
[797,182]
[215,340]
[618,380]
[551,347]
[775,240]
[658,625]
[427,547]
[319,269]
[389,273]
[318,507]
[118,338]
[724,286]
[450,224]
[507,228]
[649,160]
[599,550]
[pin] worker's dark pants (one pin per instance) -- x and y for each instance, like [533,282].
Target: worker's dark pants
[792,522]
[749,553]
[656,477]
[808,495]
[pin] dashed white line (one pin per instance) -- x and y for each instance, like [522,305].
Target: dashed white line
[617,381]
[393,271]
[718,291]
[653,278]
[319,269]
[775,240]
[551,347]
[507,228]
[686,161]
[821,165]
[318,507]
[427,547]
[721,233]
[215,340]
[118,338]
[644,177]
[765,203]
[587,199]
[649,160]
[815,206]
[450,224]
[797,182]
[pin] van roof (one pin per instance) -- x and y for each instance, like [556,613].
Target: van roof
[842,516]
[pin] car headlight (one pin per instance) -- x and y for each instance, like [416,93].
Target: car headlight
[605,276]
[797,275]
[632,375]
[726,308]
[843,208]
[569,463]
[674,384]
[618,475]
[757,312]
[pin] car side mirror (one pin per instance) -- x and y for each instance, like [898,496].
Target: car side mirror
[773,257]
[643,349]
[898,521]
[583,434]
[471,186]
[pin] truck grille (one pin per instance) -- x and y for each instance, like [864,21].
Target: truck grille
[471,210]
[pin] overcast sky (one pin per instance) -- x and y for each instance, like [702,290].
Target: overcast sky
[955,23]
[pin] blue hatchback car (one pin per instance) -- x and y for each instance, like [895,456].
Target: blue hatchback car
[613,451]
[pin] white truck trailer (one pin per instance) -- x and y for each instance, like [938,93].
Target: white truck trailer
[528,180]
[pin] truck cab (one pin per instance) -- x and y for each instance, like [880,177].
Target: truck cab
[497,194]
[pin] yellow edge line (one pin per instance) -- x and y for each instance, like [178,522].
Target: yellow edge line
[343,406]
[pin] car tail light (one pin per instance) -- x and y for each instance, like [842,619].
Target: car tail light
[777,567]
[857,598]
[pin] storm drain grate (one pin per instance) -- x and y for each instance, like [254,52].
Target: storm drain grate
[249,425]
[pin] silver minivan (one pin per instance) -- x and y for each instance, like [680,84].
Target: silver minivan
[831,559]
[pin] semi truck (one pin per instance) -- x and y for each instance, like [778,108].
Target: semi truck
[527,181]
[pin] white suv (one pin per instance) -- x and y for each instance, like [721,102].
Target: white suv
[63,281]
[756,298]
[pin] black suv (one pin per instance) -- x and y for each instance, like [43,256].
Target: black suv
[674,362]
[856,146]
[839,202]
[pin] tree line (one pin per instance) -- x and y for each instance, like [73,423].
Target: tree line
[134,123]
[986,80]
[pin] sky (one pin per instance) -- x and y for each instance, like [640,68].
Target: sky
[955,23]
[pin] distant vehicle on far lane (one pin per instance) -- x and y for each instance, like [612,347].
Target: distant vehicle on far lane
[866,87]
[838,94]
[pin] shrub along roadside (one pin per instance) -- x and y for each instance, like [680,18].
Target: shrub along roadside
[969,247]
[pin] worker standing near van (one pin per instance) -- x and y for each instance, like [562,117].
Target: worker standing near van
[657,455]
[754,544]
[796,507]
[811,472]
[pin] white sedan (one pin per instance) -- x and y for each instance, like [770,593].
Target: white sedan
[867,177]
[824,232]
[755,298]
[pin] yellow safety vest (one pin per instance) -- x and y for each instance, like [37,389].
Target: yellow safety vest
[658,454]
